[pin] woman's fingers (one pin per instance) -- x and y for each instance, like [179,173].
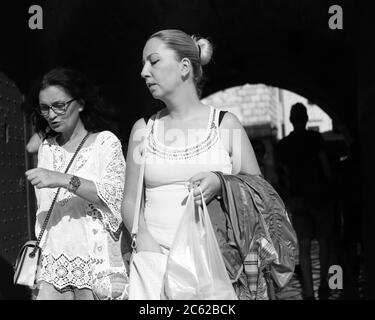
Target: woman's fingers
[198,180]
[39,185]
[198,197]
[31,176]
[192,185]
[204,181]
[32,171]
[28,172]
[35,181]
[198,177]
[196,192]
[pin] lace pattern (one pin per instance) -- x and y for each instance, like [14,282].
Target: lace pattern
[110,186]
[91,246]
[62,271]
[110,183]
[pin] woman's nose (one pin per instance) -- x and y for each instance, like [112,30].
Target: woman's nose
[145,72]
[51,114]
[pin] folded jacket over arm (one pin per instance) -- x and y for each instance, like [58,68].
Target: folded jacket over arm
[254,232]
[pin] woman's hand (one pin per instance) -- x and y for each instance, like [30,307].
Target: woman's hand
[209,183]
[44,178]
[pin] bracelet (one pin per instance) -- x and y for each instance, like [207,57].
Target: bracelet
[74,183]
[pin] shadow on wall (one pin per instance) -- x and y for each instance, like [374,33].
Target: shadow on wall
[9,291]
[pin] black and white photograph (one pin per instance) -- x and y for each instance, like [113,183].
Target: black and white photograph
[187,150]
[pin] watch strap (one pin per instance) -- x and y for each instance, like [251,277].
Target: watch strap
[74,184]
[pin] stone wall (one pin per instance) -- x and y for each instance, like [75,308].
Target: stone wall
[257,107]
[252,104]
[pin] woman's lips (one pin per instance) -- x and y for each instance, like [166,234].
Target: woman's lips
[55,124]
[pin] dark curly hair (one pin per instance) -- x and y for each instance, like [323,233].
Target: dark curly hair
[95,116]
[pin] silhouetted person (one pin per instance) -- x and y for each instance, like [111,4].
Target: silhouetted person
[337,147]
[307,177]
[351,216]
[260,152]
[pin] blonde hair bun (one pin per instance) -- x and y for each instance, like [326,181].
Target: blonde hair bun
[206,50]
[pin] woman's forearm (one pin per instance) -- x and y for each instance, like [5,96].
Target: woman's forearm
[87,189]
[126,208]
[145,241]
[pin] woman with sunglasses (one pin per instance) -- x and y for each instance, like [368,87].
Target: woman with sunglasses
[81,256]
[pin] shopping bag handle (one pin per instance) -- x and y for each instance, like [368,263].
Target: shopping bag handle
[204,207]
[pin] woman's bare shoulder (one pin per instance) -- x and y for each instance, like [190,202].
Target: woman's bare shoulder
[230,121]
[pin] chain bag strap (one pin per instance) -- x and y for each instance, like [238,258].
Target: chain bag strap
[44,226]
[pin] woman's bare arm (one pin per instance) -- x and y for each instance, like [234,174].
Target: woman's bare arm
[238,145]
[145,242]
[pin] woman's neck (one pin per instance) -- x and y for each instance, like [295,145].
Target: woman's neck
[78,132]
[182,103]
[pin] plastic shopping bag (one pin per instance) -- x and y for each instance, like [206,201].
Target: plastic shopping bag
[195,267]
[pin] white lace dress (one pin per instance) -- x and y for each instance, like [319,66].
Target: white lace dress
[81,245]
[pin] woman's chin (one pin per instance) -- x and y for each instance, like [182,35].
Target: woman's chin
[155,95]
[155,92]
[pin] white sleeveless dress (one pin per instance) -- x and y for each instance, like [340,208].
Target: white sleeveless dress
[168,169]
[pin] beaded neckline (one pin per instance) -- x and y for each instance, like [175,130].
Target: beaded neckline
[178,153]
[210,126]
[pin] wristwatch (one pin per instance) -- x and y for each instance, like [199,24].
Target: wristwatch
[74,183]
